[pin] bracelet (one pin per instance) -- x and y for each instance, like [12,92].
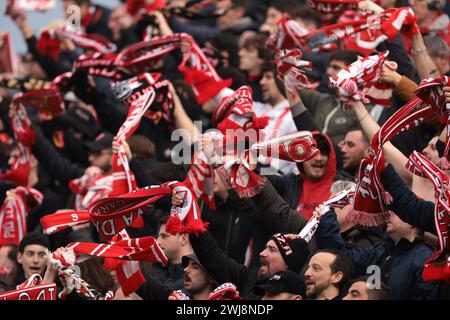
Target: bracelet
[417,51]
[363,117]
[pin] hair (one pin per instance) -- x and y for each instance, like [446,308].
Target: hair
[307,14]
[341,185]
[346,56]
[235,74]
[163,220]
[141,146]
[258,42]
[340,264]
[322,144]
[436,46]
[226,42]
[383,293]
[93,273]
[270,67]
[34,238]
[284,5]
[364,137]
[436,5]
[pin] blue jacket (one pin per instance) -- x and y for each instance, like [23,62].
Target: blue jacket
[401,265]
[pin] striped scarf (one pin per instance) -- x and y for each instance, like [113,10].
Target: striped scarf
[32,289]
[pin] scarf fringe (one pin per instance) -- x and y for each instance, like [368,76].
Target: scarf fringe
[252,191]
[387,198]
[197,227]
[174,225]
[367,219]
[443,163]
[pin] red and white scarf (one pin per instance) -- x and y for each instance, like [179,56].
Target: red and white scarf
[431,91]
[236,112]
[437,267]
[198,71]
[296,147]
[30,5]
[368,208]
[32,289]
[226,291]
[128,273]
[332,6]
[290,70]
[339,200]
[14,212]
[49,43]
[88,189]
[99,64]
[439,27]
[356,81]
[185,218]
[20,168]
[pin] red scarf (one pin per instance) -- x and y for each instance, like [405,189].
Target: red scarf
[187,217]
[290,70]
[314,192]
[368,208]
[20,169]
[99,64]
[332,6]
[357,80]
[14,212]
[431,92]
[340,200]
[88,189]
[437,267]
[31,289]
[226,291]
[29,5]
[296,147]
[197,70]
[48,101]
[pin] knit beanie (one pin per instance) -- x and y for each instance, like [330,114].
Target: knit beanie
[293,249]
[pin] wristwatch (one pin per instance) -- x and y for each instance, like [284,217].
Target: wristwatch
[417,51]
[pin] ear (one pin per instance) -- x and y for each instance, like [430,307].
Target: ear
[184,238]
[19,257]
[336,277]
[33,162]
[297,297]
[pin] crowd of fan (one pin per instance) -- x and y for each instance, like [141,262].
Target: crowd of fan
[245,242]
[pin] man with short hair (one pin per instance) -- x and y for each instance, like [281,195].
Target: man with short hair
[439,52]
[361,289]
[328,275]
[174,247]
[354,148]
[31,255]
[284,285]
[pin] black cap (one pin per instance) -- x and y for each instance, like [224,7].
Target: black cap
[34,238]
[82,120]
[190,257]
[293,248]
[284,281]
[102,141]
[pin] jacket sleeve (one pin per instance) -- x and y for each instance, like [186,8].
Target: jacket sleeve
[312,99]
[405,89]
[59,167]
[328,236]
[153,290]
[406,205]
[423,290]
[276,213]
[221,267]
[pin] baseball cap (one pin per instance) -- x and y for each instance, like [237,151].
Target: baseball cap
[82,120]
[102,141]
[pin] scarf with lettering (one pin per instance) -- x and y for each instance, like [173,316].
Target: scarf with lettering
[369,31]
[14,212]
[23,84]
[357,81]
[197,70]
[32,289]
[290,70]
[226,291]
[332,6]
[197,9]
[296,147]
[185,218]
[437,267]
[339,200]
[100,65]
[20,169]
[88,189]
[431,91]
[368,207]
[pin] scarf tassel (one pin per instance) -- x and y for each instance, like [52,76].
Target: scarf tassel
[436,272]
[175,226]
[249,192]
[367,219]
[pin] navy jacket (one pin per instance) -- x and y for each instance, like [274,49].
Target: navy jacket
[401,264]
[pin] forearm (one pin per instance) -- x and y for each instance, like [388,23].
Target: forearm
[190,132]
[424,65]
